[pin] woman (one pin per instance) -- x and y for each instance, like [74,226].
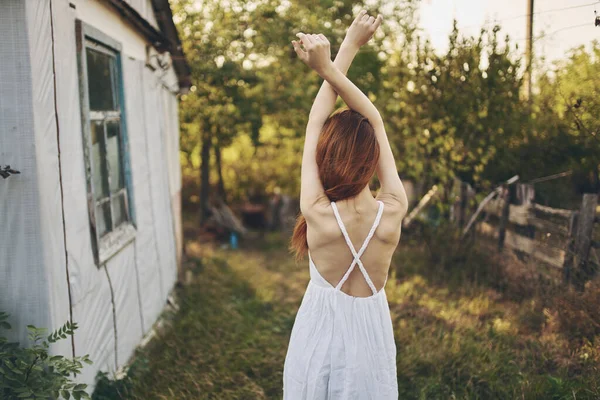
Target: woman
[342,344]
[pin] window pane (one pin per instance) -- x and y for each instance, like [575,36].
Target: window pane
[103,224]
[101,80]
[99,168]
[113,155]
[120,212]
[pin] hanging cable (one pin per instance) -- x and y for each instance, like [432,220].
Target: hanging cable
[548,11]
[547,35]
[534,13]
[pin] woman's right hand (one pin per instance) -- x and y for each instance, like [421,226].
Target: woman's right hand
[316,53]
[362,29]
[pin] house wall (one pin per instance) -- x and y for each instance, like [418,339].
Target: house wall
[117,303]
[33,284]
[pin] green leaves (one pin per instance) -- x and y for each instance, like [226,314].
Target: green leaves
[61,333]
[31,373]
[252,95]
[447,114]
[3,323]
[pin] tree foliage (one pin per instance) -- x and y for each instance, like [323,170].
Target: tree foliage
[458,114]
[450,114]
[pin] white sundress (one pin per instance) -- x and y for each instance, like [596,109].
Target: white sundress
[342,347]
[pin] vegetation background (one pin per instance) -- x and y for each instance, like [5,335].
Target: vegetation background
[459,114]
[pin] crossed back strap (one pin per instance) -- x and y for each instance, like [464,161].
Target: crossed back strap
[360,252]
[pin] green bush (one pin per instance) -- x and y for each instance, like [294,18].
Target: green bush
[33,373]
[111,387]
[108,388]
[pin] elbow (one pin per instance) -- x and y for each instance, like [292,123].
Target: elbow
[403,204]
[400,198]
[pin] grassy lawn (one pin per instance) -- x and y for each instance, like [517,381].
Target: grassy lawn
[456,339]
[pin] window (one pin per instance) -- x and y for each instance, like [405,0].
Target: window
[105,127]
[104,142]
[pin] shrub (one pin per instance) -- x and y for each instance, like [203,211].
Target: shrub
[32,373]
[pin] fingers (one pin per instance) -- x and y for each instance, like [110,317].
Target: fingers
[301,53]
[367,20]
[323,38]
[305,39]
[378,22]
[310,40]
[359,16]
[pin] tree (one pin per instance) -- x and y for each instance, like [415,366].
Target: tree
[244,70]
[451,114]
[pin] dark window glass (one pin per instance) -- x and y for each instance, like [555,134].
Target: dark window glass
[101,80]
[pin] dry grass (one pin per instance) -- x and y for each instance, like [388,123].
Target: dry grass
[466,333]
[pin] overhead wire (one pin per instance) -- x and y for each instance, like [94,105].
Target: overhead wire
[549,11]
[547,35]
[526,15]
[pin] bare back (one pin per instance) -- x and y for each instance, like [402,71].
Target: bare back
[331,254]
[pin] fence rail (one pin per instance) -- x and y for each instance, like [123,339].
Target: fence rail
[550,255]
[561,238]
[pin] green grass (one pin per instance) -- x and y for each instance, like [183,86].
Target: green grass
[456,339]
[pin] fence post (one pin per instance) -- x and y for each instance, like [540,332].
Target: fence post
[504,217]
[462,206]
[570,249]
[585,227]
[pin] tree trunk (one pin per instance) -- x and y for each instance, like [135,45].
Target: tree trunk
[205,175]
[221,184]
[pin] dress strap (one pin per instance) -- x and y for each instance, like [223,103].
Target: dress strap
[360,252]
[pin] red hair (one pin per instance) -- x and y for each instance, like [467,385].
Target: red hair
[347,155]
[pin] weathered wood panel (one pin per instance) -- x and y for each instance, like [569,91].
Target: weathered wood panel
[550,255]
[585,229]
[529,216]
[553,211]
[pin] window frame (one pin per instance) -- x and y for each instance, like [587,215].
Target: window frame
[119,237]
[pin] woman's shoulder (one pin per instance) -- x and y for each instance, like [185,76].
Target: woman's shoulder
[393,206]
[391,220]
[314,211]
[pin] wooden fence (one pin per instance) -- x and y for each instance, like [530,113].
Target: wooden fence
[564,239]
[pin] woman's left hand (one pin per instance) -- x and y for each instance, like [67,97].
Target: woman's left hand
[362,29]
[316,53]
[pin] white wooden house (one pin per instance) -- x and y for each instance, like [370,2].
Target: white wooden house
[90,230]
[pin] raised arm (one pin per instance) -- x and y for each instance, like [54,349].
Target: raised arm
[392,190]
[359,33]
